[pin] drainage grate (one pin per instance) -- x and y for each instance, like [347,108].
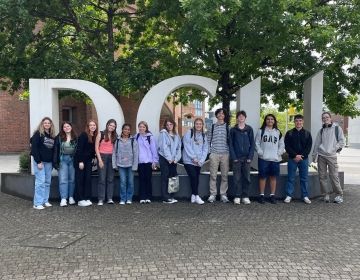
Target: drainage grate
[55,240]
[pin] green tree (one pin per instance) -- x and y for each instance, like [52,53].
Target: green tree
[63,39]
[234,41]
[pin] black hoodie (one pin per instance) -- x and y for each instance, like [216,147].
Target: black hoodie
[42,147]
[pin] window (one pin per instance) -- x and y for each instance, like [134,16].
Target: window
[187,123]
[67,114]
[198,108]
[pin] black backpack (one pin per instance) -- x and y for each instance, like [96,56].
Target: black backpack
[148,137]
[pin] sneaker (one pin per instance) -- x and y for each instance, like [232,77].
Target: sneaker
[63,202]
[123,202]
[307,200]
[236,200]
[261,199]
[174,200]
[100,203]
[327,198]
[129,202]
[198,200]
[39,207]
[193,198]
[338,199]
[169,201]
[142,201]
[288,199]
[224,198]
[147,201]
[212,198]
[47,204]
[71,201]
[246,200]
[272,199]
[88,202]
[110,201]
[83,203]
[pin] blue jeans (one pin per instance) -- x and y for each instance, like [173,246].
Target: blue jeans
[42,183]
[303,166]
[126,183]
[66,177]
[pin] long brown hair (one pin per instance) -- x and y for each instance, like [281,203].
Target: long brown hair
[202,121]
[92,138]
[62,133]
[170,120]
[144,123]
[113,133]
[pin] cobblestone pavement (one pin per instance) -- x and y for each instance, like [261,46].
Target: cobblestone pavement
[181,241]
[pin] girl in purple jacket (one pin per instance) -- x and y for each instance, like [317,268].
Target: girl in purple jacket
[148,160]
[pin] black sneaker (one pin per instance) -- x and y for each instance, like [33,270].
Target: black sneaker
[262,199]
[272,199]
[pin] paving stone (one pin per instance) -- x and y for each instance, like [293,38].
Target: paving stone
[182,241]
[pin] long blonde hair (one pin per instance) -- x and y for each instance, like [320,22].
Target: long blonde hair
[41,129]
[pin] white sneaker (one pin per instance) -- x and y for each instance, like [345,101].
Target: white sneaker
[246,201]
[212,198]
[288,199]
[110,201]
[71,201]
[236,200]
[123,202]
[63,202]
[193,197]
[174,200]
[88,202]
[142,201]
[129,202]
[169,201]
[198,200]
[47,204]
[338,199]
[224,198]
[83,203]
[39,207]
[100,203]
[147,201]
[327,198]
[307,200]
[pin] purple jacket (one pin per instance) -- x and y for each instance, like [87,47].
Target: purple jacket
[147,151]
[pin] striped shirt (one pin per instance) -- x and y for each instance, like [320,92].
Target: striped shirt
[218,142]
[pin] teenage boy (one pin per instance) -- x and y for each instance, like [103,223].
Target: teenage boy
[329,141]
[242,146]
[219,155]
[298,143]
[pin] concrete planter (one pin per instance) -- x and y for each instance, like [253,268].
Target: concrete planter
[22,185]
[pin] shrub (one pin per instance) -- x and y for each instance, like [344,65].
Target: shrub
[25,161]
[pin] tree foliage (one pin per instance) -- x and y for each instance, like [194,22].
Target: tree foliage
[283,41]
[128,50]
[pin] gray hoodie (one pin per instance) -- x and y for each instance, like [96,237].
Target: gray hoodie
[169,147]
[270,146]
[326,144]
[125,153]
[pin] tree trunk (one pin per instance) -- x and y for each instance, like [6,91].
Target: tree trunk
[224,84]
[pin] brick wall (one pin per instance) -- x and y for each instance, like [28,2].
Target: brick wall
[14,124]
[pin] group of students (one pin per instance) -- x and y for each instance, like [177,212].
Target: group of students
[74,156]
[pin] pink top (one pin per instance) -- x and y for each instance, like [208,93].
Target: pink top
[105,147]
